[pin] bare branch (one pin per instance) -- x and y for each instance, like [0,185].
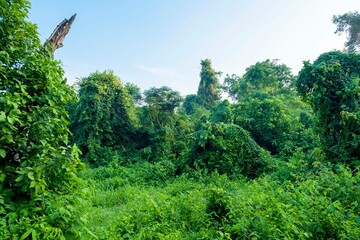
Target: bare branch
[57,37]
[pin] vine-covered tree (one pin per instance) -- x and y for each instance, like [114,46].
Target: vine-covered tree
[279,123]
[104,118]
[269,108]
[160,106]
[37,164]
[134,92]
[190,103]
[228,149]
[349,23]
[268,77]
[208,90]
[222,113]
[332,86]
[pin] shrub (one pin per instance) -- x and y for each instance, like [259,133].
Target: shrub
[227,148]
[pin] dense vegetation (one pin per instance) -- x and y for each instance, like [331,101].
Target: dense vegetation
[278,161]
[38,164]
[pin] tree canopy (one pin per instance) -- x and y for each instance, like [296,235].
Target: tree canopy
[331,85]
[38,165]
[104,116]
[349,23]
[161,104]
[208,90]
[268,76]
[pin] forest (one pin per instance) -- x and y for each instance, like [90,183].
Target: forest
[264,155]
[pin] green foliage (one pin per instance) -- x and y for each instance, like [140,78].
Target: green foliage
[349,23]
[269,108]
[193,172]
[104,117]
[161,105]
[217,207]
[160,146]
[279,123]
[190,103]
[267,77]
[304,210]
[37,163]
[331,85]
[300,166]
[222,112]
[134,92]
[208,91]
[126,204]
[227,148]
[159,120]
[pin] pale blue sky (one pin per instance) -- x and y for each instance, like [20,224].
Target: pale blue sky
[161,42]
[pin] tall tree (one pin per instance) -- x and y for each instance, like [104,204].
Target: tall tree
[268,76]
[37,164]
[134,92]
[208,90]
[349,23]
[227,149]
[161,104]
[190,103]
[269,108]
[331,85]
[104,116]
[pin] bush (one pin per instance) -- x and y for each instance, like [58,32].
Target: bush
[37,163]
[227,148]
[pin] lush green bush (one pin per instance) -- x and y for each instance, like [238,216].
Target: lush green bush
[38,166]
[331,85]
[279,123]
[321,207]
[103,119]
[227,148]
[222,112]
[125,205]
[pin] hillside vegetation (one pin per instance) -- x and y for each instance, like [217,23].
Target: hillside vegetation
[278,159]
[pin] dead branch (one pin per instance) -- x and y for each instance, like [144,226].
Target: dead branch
[57,37]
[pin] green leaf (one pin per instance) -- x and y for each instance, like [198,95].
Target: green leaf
[54,216]
[2,153]
[20,178]
[10,120]
[26,234]
[33,184]
[34,234]
[2,116]
[31,176]
[2,177]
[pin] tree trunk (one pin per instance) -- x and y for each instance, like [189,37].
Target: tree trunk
[57,37]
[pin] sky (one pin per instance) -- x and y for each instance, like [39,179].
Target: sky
[154,43]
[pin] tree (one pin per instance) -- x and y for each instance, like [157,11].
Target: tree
[134,92]
[104,118]
[190,104]
[227,149]
[161,104]
[269,108]
[38,166]
[208,90]
[332,86]
[279,123]
[158,120]
[268,77]
[222,112]
[349,23]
